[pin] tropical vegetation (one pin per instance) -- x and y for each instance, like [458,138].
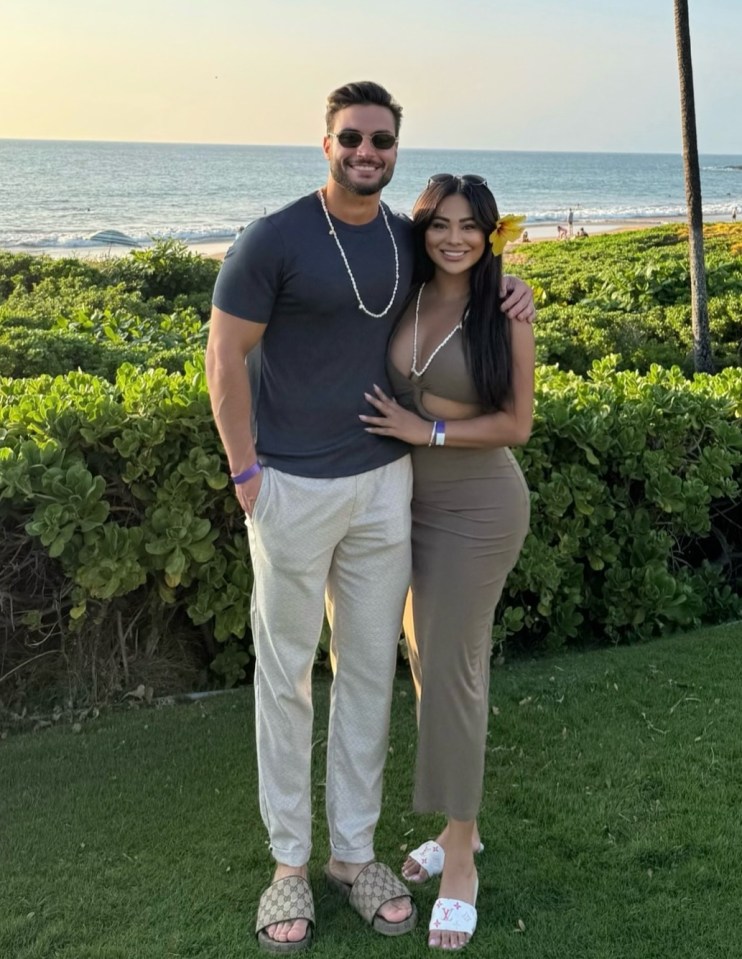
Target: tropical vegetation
[123,561]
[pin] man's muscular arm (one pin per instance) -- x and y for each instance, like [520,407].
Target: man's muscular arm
[230,340]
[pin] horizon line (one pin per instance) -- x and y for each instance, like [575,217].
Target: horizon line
[304,146]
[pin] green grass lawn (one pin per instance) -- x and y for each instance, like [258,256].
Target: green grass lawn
[612,820]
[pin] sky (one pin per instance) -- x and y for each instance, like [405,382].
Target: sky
[596,75]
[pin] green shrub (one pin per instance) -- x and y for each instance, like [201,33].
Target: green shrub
[169,270]
[125,487]
[61,315]
[25,270]
[630,294]
[632,479]
[30,353]
[120,534]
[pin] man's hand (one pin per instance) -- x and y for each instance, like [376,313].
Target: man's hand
[517,303]
[247,493]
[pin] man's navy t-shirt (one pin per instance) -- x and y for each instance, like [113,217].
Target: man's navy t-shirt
[319,352]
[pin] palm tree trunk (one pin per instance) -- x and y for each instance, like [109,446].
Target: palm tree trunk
[700,319]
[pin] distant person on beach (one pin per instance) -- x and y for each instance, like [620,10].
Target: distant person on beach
[524,238]
[462,374]
[561,232]
[734,213]
[570,220]
[582,233]
[311,292]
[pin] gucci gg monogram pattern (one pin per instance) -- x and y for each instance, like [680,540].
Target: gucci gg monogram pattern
[375,885]
[284,900]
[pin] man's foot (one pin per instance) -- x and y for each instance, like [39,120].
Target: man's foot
[295,930]
[413,870]
[394,910]
[455,905]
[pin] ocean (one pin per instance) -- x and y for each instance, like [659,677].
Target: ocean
[56,194]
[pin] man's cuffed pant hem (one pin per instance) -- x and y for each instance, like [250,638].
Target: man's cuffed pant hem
[294,857]
[362,855]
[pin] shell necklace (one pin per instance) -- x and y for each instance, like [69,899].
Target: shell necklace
[413,369]
[361,305]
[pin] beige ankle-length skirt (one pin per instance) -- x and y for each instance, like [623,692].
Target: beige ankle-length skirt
[470,515]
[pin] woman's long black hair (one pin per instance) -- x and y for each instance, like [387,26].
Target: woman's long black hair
[486,331]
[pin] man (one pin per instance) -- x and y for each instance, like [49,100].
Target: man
[317,286]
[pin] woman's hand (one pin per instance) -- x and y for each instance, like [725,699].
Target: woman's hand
[394,421]
[517,299]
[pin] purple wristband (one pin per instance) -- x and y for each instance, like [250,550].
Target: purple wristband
[247,474]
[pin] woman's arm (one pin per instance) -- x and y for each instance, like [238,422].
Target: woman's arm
[508,427]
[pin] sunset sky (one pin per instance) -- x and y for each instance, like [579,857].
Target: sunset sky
[530,75]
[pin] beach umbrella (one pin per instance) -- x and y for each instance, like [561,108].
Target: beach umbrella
[113,238]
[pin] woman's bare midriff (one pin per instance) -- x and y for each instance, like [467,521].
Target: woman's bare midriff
[441,408]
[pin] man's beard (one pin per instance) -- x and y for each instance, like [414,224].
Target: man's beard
[337,171]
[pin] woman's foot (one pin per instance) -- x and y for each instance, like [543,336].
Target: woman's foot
[414,871]
[295,930]
[456,898]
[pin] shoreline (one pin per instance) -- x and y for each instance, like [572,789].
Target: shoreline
[538,232]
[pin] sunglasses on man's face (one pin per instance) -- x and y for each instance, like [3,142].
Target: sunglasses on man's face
[354,138]
[472,179]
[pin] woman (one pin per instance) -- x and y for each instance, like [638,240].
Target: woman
[463,378]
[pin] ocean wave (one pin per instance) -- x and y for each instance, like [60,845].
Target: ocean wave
[596,214]
[73,241]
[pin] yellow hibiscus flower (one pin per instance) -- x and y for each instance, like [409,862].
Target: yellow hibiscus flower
[507,230]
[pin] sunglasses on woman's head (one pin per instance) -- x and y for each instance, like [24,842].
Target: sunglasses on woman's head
[471,179]
[354,138]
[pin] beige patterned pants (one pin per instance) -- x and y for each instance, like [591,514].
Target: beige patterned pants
[342,543]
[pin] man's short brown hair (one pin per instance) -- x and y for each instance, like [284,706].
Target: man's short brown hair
[365,93]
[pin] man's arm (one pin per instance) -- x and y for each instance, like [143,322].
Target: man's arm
[230,340]
[517,303]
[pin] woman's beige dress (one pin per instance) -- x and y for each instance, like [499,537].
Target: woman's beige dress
[470,514]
